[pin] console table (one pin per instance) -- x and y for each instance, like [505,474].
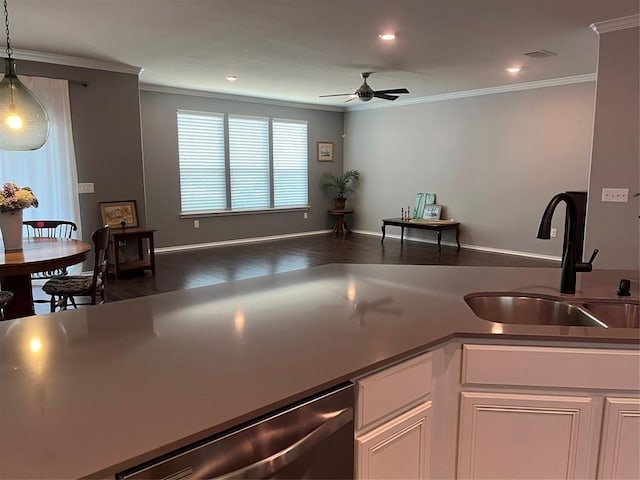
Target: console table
[143,262]
[437,225]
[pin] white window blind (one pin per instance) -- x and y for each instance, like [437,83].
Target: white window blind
[249,162]
[290,163]
[201,162]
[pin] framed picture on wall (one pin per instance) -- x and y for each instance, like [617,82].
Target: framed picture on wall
[432,212]
[325,151]
[119,214]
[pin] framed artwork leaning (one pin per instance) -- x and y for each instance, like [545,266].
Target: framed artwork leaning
[119,214]
[432,212]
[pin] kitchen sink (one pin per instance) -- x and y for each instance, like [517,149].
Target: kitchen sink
[616,314]
[530,310]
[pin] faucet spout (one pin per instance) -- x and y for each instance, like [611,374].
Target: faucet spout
[568,276]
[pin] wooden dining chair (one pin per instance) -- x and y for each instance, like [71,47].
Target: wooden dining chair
[5,297]
[64,289]
[50,228]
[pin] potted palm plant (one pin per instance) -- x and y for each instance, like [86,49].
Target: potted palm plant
[340,185]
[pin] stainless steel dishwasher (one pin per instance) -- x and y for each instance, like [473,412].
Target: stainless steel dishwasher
[311,439]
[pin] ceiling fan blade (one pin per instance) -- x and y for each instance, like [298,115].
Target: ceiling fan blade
[336,95]
[384,96]
[394,90]
[352,98]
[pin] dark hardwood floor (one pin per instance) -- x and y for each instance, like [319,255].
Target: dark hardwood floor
[201,267]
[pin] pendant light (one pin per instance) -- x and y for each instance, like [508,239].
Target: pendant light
[24,123]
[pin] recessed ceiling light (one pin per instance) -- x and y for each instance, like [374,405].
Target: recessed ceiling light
[513,69]
[231,78]
[387,36]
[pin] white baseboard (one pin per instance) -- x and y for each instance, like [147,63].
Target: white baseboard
[243,241]
[240,241]
[470,247]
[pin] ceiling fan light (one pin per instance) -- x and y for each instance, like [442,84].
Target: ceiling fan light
[24,123]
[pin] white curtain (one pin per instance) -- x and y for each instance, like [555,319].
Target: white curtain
[50,171]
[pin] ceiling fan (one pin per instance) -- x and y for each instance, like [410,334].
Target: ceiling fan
[366,93]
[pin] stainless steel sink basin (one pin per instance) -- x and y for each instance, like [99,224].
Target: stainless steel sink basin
[616,314]
[529,310]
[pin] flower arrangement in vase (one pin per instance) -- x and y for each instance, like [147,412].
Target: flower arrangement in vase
[13,200]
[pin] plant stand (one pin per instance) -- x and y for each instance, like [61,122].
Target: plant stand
[341,225]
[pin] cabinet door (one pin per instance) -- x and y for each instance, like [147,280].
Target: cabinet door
[397,449]
[513,436]
[620,439]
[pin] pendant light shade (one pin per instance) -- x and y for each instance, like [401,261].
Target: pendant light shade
[24,123]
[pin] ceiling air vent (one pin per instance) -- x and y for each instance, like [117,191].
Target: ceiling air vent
[540,54]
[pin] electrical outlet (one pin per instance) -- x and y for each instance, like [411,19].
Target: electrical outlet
[196,224]
[554,232]
[305,215]
[85,188]
[615,195]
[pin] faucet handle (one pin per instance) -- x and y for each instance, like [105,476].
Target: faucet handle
[588,266]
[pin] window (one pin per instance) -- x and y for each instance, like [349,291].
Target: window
[203,186]
[50,171]
[290,166]
[262,164]
[249,163]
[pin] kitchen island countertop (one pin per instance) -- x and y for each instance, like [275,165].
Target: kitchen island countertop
[93,391]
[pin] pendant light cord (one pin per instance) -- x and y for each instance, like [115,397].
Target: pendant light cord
[6,25]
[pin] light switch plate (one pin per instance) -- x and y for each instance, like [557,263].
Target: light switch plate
[615,195]
[85,188]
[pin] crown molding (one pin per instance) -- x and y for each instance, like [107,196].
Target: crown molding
[71,61]
[515,87]
[147,87]
[616,24]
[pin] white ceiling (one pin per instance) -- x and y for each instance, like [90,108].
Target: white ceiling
[299,49]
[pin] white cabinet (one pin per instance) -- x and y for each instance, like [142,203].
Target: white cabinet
[620,439]
[397,449]
[548,413]
[393,421]
[511,436]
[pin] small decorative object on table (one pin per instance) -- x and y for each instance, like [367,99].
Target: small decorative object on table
[13,200]
[432,212]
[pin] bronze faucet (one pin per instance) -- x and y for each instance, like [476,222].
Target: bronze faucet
[569,265]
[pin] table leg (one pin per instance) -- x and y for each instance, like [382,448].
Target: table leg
[457,237]
[152,254]
[439,232]
[21,305]
[402,234]
[384,232]
[346,229]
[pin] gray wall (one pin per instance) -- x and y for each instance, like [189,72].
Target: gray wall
[106,132]
[162,175]
[494,161]
[614,227]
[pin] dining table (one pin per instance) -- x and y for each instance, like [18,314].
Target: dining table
[37,255]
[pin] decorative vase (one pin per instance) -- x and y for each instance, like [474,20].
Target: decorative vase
[339,203]
[11,228]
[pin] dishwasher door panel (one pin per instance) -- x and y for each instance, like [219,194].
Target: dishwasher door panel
[312,439]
